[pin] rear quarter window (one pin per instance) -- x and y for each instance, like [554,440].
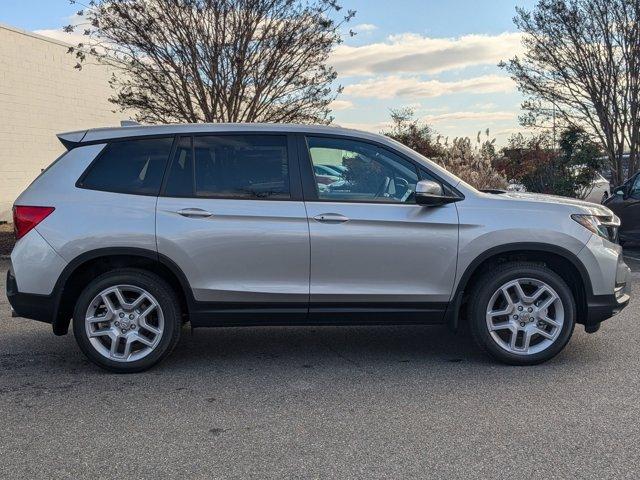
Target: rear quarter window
[129,166]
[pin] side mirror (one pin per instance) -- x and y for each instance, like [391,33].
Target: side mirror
[430,193]
[622,190]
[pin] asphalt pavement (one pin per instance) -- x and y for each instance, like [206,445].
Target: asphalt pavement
[321,402]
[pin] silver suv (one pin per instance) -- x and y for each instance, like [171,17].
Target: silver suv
[135,231]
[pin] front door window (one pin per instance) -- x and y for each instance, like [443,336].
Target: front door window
[362,172]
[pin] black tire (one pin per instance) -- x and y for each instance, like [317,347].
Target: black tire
[490,282]
[154,285]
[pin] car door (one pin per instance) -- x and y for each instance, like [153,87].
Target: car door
[625,202]
[374,251]
[231,217]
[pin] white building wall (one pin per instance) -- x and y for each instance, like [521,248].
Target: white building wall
[41,94]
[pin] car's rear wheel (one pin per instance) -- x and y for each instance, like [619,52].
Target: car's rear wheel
[127,320]
[522,313]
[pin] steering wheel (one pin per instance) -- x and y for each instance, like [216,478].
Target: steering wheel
[403,182]
[399,182]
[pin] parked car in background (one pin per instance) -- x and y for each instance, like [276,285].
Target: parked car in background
[137,230]
[597,192]
[625,203]
[325,171]
[600,189]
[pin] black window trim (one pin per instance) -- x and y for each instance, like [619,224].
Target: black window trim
[310,186]
[105,148]
[295,186]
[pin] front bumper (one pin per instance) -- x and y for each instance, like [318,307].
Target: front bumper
[610,281]
[602,307]
[29,305]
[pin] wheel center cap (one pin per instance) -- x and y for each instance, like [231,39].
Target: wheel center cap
[125,321]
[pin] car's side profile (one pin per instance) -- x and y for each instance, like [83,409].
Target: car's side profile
[137,230]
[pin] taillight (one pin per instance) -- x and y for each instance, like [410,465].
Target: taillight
[25,218]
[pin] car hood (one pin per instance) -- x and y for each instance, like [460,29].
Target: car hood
[582,206]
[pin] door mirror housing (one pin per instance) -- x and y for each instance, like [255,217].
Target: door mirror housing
[431,194]
[622,190]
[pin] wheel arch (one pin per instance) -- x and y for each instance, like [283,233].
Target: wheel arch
[560,260]
[88,265]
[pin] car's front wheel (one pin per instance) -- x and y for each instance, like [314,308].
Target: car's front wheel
[127,320]
[522,313]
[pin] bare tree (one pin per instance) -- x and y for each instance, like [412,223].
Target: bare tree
[581,62]
[216,60]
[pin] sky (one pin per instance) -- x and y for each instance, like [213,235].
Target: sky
[438,57]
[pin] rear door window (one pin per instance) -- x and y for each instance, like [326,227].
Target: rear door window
[130,166]
[230,166]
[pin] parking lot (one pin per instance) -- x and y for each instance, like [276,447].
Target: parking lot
[327,402]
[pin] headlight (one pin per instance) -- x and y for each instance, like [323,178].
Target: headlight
[605,226]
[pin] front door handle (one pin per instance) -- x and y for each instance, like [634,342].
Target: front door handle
[194,213]
[330,218]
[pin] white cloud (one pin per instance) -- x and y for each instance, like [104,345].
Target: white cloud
[475,116]
[437,109]
[69,38]
[508,131]
[364,28]
[80,22]
[341,105]
[412,53]
[485,106]
[394,86]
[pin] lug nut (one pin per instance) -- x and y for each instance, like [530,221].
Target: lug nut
[121,315]
[117,323]
[530,309]
[522,324]
[133,327]
[131,316]
[541,324]
[520,308]
[515,317]
[124,331]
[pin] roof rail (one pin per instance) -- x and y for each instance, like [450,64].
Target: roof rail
[129,123]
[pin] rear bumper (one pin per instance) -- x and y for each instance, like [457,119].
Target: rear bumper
[29,305]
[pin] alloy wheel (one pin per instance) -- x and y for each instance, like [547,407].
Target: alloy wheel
[525,316]
[124,323]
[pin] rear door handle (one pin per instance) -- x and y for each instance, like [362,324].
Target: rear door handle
[194,213]
[331,218]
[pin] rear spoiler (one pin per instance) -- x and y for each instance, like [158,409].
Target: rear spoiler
[71,140]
